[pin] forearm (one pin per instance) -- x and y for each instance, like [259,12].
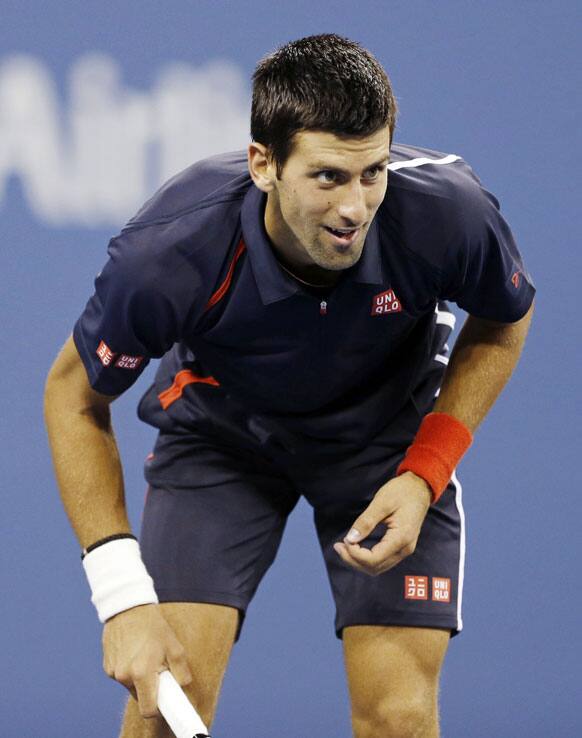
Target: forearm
[87,465]
[482,361]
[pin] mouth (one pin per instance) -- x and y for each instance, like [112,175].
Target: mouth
[343,237]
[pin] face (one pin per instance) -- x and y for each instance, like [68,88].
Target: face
[319,212]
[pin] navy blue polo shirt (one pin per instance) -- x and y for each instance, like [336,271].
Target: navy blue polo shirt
[193,278]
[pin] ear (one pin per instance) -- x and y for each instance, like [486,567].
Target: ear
[261,167]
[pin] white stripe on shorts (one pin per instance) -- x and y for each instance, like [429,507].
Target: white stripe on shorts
[459,504]
[443,317]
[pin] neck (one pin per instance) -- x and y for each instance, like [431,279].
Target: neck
[319,286]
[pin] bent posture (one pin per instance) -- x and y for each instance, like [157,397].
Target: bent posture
[297,296]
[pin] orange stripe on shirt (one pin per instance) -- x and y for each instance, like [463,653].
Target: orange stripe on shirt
[181,380]
[223,289]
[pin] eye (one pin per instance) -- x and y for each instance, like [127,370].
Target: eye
[373,173]
[327,176]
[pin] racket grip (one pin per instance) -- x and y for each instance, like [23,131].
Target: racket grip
[177,709]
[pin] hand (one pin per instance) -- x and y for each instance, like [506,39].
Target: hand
[401,505]
[137,645]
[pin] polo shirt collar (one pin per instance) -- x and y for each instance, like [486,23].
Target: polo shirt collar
[368,270]
[272,282]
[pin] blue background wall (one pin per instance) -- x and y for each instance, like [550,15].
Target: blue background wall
[493,81]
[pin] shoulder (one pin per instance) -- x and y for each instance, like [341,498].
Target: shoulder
[182,235]
[435,178]
[206,183]
[434,201]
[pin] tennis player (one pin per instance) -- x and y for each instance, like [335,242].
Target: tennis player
[296,295]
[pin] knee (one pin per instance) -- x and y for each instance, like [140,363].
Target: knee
[397,718]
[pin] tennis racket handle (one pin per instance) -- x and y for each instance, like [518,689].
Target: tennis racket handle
[178,711]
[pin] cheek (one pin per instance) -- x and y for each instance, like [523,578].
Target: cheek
[303,209]
[376,204]
[318,207]
[308,212]
[378,197]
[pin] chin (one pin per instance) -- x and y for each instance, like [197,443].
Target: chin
[346,259]
[341,261]
[334,260]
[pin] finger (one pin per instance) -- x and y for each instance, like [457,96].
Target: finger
[389,547]
[373,515]
[342,550]
[124,678]
[108,668]
[382,557]
[126,681]
[179,667]
[147,695]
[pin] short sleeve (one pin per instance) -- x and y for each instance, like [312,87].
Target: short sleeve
[135,314]
[485,273]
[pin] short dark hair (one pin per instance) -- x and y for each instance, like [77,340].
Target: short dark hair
[324,82]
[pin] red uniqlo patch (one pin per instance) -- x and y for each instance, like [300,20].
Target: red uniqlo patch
[105,354]
[386,302]
[515,280]
[128,362]
[441,589]
[415,588]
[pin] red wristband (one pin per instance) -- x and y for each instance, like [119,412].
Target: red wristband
[439,445]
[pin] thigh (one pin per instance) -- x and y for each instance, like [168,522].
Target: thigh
[207,633]
[399,660]
[212,522]
[393,674]
[423,590]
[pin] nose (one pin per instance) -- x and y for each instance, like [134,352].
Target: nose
[352,206]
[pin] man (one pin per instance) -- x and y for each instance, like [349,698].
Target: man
[296,296]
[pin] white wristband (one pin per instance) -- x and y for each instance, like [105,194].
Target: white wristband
[118,578]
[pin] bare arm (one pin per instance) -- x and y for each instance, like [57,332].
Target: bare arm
[84,451]
[482,361]
[137,643]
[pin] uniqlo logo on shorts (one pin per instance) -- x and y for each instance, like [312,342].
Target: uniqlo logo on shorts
[105,354]
[415,588]
[441,589]
[515,280]
[128,362]
[386,302]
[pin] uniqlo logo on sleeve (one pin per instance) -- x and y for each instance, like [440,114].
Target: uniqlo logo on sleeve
[415,588]
[128,362]
[386,302]
[441,589]
[105,354]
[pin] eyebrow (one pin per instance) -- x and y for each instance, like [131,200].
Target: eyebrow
[323,167]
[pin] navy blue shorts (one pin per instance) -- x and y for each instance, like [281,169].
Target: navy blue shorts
[218,503]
